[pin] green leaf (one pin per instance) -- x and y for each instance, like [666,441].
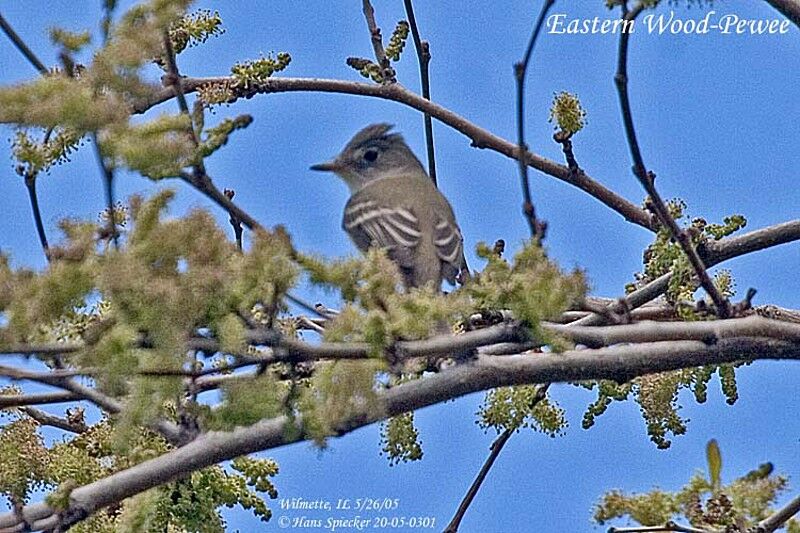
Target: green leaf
[714,463]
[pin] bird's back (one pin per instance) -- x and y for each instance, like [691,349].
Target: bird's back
[411,218]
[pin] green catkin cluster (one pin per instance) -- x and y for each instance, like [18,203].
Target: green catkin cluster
[705,502]
[567,113]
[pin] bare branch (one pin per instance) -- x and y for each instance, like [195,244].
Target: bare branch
[537,227]
[630,301]
[21,400]
[480,137]
[108,185]
[707,331]
[669,526]
[647,178]
[651,311]
[423,49]
[46,419]
[789,8]
[204,184]
[21,46]
[30,184]
[717,251]
[494,453]
[495,449]
[779,518]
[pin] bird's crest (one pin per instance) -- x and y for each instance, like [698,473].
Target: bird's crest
[372,133]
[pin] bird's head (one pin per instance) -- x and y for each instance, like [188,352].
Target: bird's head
[373,153]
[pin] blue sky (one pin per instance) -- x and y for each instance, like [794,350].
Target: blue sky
[717,121]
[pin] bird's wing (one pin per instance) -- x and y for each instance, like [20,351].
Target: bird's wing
[449,245]
[370,224]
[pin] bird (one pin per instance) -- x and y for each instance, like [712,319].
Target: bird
[395,205]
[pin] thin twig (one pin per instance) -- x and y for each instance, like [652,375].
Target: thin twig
[316,309]
[647,178]
[423,49]
[108,184]
[537,227]
[236,224]
[495,449]
[199,178]
[105,169]
[21,46]
[30,184]
[204,184]
[670,526]
[565,140]
[387,72]
[30,178]
[173,79]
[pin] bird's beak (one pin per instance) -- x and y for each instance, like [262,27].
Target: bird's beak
[330,166]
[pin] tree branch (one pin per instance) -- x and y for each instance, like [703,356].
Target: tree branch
[167,429]
[497,340]
[204,184]
[670,526]
[387,72]
[789,8]
[537,227]
[480,137]
[779,518]
[718,251]
[30,178]
[108,185]
[495,449]
[30,184]
[21,46]
[707,331]
[423,50]
[619,363]
[46,419]
[21,400]
[647,178]
[494,453]
[713,253]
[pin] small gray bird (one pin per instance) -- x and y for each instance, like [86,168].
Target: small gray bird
[395,205]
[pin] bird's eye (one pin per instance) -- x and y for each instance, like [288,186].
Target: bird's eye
[371,155]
